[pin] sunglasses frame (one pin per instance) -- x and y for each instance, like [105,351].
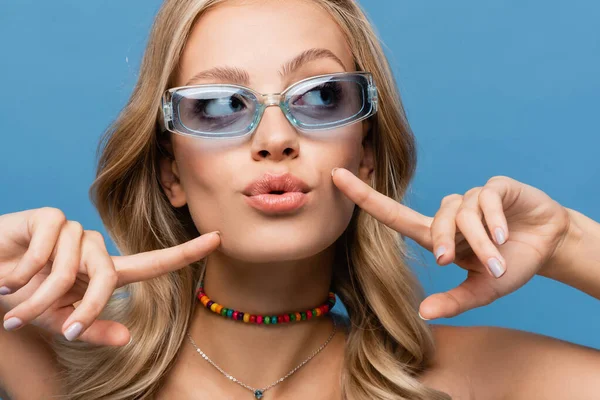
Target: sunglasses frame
[265,100]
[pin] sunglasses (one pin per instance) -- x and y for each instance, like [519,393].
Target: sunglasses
[226,111]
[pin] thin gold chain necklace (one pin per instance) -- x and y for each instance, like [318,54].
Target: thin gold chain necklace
[258,393]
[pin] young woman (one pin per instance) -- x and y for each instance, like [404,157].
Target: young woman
[241,112]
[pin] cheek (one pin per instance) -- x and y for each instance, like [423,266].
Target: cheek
[207,175]
[346,151]
[207,165]
[339,208]
[196,170]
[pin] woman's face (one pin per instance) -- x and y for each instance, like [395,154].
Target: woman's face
[259,38]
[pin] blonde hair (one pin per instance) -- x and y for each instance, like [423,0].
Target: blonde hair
[388,345]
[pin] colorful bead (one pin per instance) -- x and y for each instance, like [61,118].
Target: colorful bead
[266,319]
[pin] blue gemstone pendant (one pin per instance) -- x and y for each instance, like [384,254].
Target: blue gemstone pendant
[258,394]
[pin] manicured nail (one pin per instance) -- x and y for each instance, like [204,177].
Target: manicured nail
[424,319]
[500,236]
[496,267]
[73,331]
[12,323]
[440,252]
[4,290]
[333,171]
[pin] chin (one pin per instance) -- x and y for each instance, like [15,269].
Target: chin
[273,245]
[255,251]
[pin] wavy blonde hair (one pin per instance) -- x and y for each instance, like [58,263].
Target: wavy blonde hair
[388,344]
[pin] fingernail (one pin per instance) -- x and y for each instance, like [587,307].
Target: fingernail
[4,290]
[333,171]
[496,267]
[440,252]
[424,319]
[500,236]
[12,323]
[130,340]
[73,331]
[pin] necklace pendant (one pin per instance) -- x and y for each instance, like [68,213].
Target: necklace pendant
[258,394]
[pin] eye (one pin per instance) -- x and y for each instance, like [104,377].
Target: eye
[220,107]
[327,94]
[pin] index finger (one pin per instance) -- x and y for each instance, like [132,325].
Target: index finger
[386,210]
[150,264]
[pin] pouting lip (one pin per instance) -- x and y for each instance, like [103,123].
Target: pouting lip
[281,183]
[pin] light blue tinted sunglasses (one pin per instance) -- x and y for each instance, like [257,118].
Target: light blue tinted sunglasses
[226,111]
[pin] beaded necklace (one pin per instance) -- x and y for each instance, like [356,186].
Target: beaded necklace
[230,313]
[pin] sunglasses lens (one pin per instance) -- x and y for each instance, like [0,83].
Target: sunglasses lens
[329,102]
[214,111]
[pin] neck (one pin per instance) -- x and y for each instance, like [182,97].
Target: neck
[258,355]
[271,288]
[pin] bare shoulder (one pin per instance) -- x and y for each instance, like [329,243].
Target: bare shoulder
[28,368]
[488,362]
[449,370]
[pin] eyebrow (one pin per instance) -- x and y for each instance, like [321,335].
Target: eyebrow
[241,77]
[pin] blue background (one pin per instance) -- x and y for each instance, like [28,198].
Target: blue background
[490,88]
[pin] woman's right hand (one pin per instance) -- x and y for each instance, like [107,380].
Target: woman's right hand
[49,263]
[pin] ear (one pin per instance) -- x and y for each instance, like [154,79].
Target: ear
[367,164]
[169,176]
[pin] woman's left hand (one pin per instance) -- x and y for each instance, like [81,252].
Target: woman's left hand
[527,227]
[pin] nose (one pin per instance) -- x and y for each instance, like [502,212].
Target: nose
[275,138]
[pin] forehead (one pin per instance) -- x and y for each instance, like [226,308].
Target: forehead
[261,36]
